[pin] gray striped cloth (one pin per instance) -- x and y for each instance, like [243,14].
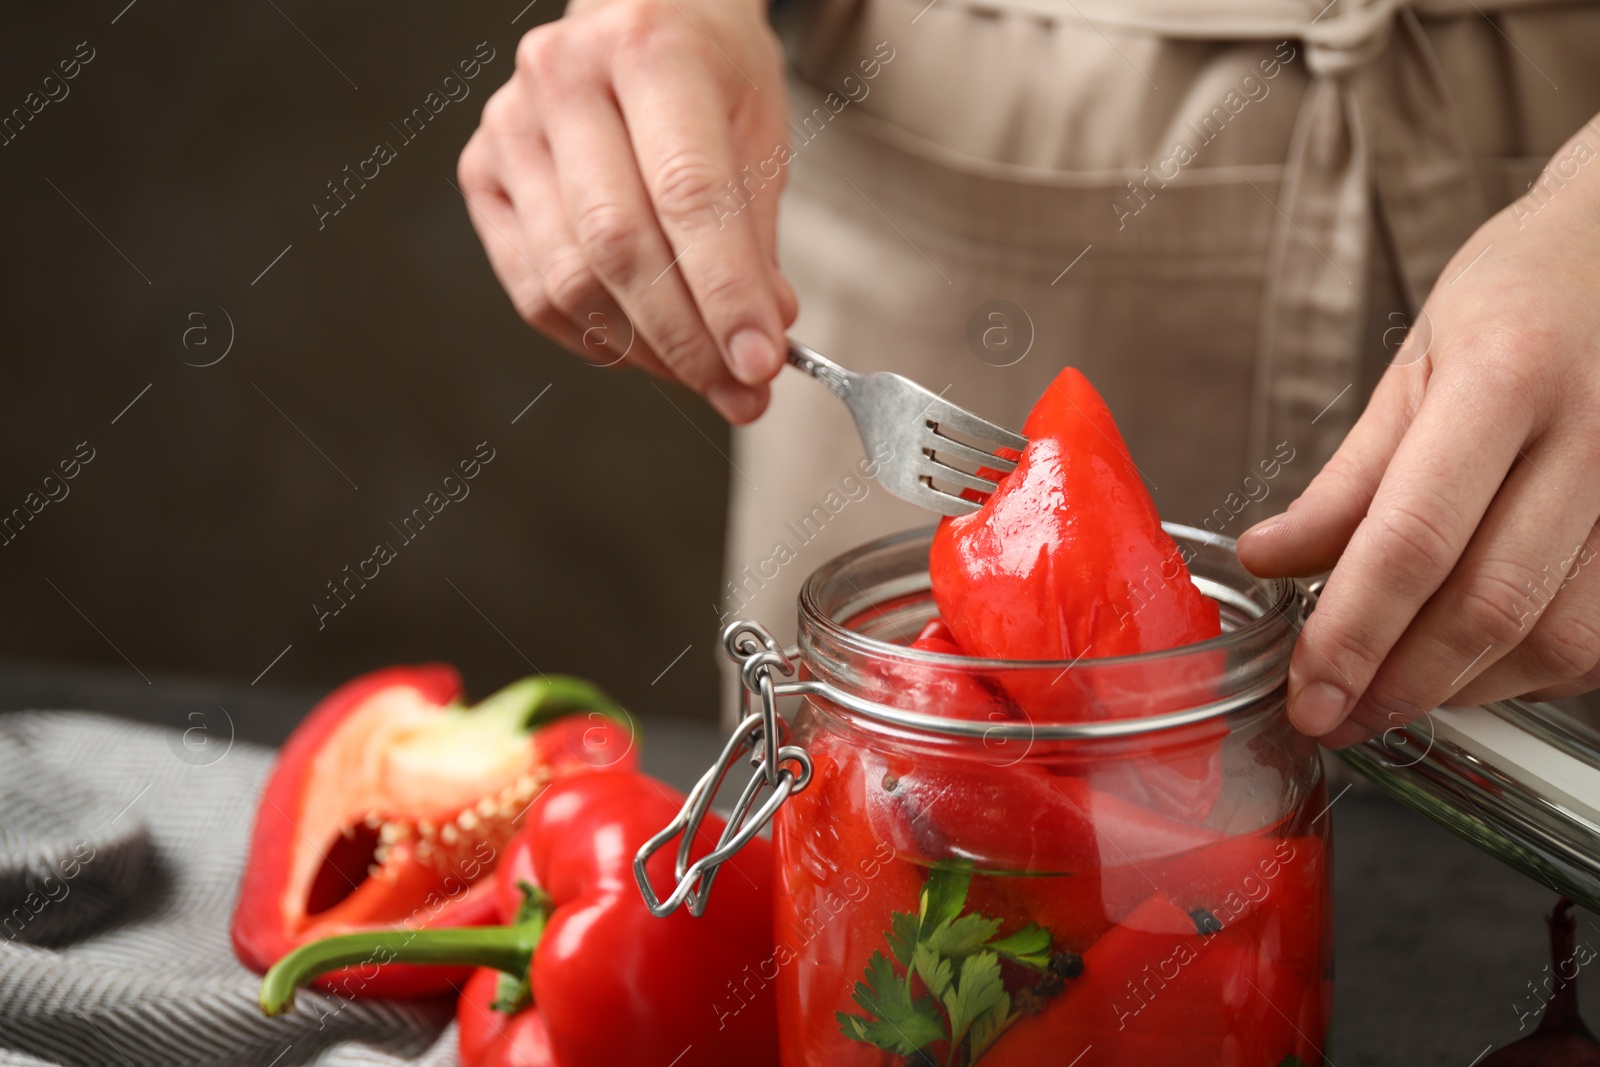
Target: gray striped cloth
[120,851]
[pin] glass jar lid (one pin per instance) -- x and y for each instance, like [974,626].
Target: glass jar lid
[1518,779]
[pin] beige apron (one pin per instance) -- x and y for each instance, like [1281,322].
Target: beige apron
[1225,214]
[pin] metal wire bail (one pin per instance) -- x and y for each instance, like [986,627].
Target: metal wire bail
[761,733]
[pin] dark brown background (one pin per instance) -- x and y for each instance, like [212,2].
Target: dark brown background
[196,541]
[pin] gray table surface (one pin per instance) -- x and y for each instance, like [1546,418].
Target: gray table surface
[1437,942]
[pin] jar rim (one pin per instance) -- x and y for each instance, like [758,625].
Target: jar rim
[1285,593]
[1272,620]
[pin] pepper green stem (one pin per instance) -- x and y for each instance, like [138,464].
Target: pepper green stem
[505,948]
[563,694]
[533,702]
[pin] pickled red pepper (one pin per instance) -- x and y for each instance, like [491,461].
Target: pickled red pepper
[1067,558]
[1176,944]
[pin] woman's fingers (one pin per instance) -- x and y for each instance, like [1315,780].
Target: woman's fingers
[760,190]
[494,217]
[1510,413]
[1308,538]
[602,333]
[1562,647]
[1492,602]
[678,122]
[610,264]
[614,225]
[1443,476]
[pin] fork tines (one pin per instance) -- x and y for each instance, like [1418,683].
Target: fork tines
[941,452]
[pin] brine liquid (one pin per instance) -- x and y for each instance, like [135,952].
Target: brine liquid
[1102,933]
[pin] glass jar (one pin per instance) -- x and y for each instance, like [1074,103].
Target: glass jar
[1118,861]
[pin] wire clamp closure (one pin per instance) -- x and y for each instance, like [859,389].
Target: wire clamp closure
[781,770]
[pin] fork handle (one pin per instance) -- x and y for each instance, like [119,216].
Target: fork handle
[840,380]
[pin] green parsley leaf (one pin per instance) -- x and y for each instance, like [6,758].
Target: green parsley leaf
[987,1028]
[957,958]
[903,936]
[889,1036]
[977,992]
[936,973]
[1292,1061]
[944,894]
[901,1026]
[1029,946]
[962,936]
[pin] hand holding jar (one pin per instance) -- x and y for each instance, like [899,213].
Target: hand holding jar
[1458,516]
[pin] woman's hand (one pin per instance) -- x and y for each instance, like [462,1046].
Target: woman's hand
[599,182]
[1459,514]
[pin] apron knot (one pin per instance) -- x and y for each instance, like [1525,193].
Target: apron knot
[1343,37]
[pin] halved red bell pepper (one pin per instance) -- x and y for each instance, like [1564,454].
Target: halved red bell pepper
[389,805]
[583,975]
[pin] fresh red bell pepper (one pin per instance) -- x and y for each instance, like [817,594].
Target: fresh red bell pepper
[389,805]
[583,975]
[1067,558]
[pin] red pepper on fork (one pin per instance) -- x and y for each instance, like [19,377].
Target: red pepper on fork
[1067,561]
[391,802]
[1067,558]
[583,975]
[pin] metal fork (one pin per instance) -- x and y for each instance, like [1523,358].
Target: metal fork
[903,427]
